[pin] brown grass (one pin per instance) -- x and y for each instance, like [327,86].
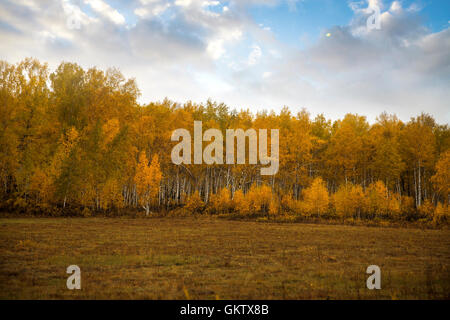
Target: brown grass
[206,258]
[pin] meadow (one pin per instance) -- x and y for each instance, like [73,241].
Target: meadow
[210,258]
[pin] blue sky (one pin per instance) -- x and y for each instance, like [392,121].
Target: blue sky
[312,17]
[290,23]
[256,54]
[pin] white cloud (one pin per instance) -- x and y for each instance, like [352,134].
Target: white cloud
[152,10]
[254,55]
[183,3]
[103,8]
[212,84]
[402,68]
[396,7]
[194,50]
[216,46]
[267,75]
[210,3]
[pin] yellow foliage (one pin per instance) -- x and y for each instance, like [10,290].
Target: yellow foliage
[155,178]
[349,200]
[194,203]
[110,130]
[441,179]
[315,198]
[41,186]
[88,195]
[221,202]
[148,179]
[394,208]
[274,207]
[142,177]
[426,209]
[72,138]
[240,204]
[407,205]
[377,199]
[259,198]
[289,204]
[441,213]
[111,195]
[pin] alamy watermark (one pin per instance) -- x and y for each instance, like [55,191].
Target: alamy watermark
[213,152]
[74,280]
[374,21]
[374,281]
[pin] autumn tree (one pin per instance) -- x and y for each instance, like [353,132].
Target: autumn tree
[75,139]
[441,179]
[349,201]
[259,198]
[274,206]
[221,202]
[111,195]
[290,205]
[240,203]
[346,152]
[316,197]
[194,203]
[155,178]
[419,145]
[148,178]
[441,214]
[384,138]
[377,199]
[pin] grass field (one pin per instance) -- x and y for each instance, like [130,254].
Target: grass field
[206,258]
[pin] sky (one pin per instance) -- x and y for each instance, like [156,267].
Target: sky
[328,56]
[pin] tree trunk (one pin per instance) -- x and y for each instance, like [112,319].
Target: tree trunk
[147,209]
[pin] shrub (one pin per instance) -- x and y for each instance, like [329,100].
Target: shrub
[426,210]
[194,203]
[259,198]
[86,212]
[441,214]
[349,201]
[377,200]
[407,207]
[240,204]
[274,207]
[316,198]
[220,202]
[289,204]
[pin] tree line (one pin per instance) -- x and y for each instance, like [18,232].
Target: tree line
[76,139]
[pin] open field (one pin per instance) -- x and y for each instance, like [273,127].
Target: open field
[205,258]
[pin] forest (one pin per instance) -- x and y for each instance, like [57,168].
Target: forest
[77,142]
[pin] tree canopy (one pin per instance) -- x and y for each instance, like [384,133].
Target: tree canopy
[76,138]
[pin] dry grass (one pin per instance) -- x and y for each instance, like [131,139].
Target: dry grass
[205,258]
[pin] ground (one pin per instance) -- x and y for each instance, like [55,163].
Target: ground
[207,258]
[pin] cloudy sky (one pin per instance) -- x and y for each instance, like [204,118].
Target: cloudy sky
[256,54]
